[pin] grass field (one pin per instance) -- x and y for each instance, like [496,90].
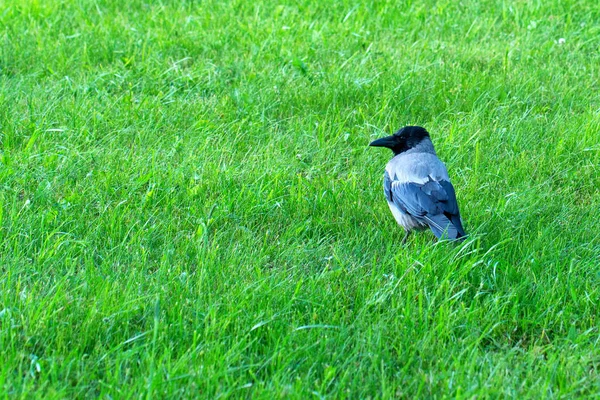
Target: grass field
[189,207]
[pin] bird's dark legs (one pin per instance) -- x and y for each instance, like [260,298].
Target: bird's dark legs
[406,234]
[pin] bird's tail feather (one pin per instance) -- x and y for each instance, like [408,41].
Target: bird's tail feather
[442,227]
[458,224]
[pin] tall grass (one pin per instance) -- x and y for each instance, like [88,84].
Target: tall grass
[189,207]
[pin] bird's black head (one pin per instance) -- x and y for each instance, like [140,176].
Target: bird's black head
[404,139]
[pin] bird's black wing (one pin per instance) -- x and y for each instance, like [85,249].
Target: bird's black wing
[451,207]
[433,202]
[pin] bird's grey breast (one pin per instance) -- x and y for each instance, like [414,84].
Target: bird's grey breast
[391,176]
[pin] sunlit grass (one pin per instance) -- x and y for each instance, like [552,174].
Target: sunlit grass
[189,206]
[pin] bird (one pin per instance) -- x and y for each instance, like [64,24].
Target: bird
[417,186]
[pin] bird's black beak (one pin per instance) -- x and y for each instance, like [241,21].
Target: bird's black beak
[388,141]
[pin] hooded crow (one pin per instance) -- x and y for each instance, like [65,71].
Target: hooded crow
[417,187]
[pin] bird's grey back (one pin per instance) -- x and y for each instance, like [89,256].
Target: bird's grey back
[416,167]
[417,164]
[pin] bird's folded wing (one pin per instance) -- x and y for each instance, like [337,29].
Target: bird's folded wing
[433,202]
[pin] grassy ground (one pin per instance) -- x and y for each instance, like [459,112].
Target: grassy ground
[189,206]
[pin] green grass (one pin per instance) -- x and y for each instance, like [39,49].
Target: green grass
[189,206]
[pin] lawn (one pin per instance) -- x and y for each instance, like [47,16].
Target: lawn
[189,206]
